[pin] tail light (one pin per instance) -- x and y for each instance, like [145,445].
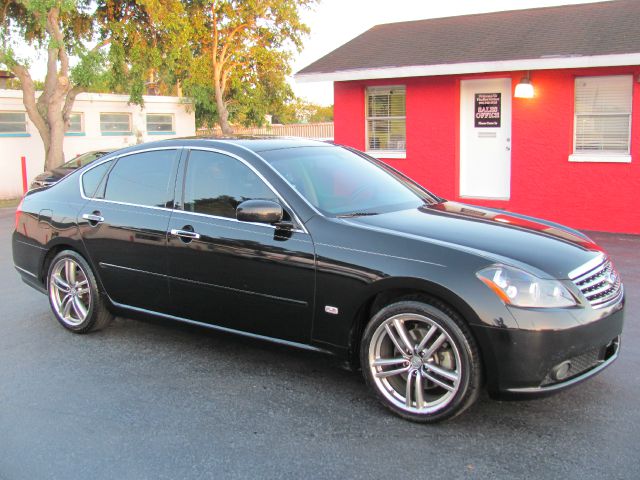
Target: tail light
[19,213]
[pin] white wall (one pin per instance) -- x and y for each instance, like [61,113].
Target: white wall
[90,105]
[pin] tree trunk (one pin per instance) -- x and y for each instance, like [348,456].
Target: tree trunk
[53,150]
[223,113]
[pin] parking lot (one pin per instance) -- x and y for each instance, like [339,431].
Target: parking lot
[158,400]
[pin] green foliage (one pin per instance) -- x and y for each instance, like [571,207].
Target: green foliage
[301,111]
[245,47]
[123,46]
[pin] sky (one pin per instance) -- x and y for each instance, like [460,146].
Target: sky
[335,22]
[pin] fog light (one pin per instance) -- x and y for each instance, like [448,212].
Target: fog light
[561,371]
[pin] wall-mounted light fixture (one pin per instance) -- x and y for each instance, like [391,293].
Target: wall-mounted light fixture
[524,89]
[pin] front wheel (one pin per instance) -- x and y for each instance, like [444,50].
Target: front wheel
[421,360]
[73,294]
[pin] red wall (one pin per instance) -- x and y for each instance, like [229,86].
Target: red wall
[587,196]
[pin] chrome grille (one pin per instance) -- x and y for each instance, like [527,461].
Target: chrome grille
[600,285]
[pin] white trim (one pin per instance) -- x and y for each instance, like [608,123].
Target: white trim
[107,97]
[474,67]
[596,157]
[386,154]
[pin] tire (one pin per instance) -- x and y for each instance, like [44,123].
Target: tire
[74,296]
[421,346]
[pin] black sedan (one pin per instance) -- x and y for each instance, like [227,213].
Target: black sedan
[49,177]
[322,247]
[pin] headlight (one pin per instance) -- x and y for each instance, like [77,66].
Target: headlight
[522,289]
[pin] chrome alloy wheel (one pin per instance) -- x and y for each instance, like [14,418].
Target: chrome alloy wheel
[69,291]
[414,363]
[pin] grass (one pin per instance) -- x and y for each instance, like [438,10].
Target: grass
[9,202]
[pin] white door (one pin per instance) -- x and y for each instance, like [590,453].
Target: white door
[485,138]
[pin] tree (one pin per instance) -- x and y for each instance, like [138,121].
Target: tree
[143,37]
[60,26]
[302,111]
[243,48]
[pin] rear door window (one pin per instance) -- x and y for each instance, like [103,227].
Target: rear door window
[142,179]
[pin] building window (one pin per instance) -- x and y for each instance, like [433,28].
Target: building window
[13,124]
[160,124]
[386,121]
[602,124]
[115,123]
[76,124]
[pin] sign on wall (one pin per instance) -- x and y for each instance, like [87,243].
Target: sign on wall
[487,110]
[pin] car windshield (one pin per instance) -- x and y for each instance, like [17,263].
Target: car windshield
[82,160]
[338,182]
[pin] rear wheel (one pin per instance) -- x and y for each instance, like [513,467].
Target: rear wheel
[421,361]
[73,294]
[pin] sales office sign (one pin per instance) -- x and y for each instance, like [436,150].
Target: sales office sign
[487,110]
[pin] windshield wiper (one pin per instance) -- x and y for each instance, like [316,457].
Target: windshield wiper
[356,214]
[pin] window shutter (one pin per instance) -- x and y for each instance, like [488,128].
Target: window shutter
[603,114]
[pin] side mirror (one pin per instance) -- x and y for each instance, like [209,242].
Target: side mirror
[260,211]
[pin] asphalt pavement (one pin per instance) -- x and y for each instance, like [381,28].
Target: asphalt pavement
[155,400]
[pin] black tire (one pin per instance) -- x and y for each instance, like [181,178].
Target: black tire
[457,358]
[80,294]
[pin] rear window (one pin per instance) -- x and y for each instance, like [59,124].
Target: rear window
[92,178]
[141,178]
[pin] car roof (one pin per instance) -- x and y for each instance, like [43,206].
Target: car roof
[261,144]
[253,144]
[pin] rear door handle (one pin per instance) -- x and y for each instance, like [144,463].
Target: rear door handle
[93,218]
[185,234]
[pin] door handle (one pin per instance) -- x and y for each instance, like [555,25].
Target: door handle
[94,218]
[185,234]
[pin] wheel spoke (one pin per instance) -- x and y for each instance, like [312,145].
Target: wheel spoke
[65,305]
[409,388]
[70,271]
[435,346]
[423,343]
[83,287]
[443,372]
[79,308]
[404,335]
[419,393]
[394,339]
[391,373]
[60,284]
[438,382]
[383,362]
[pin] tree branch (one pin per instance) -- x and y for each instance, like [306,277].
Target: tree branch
[227,43]
[68,104]
[53,29]
[29,99]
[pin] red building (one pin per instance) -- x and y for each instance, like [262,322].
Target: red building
[444,101]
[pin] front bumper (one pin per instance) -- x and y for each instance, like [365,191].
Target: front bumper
[521,362]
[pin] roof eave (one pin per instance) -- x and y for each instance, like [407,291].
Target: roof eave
[547,63]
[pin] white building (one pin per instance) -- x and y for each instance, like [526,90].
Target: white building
[98,121]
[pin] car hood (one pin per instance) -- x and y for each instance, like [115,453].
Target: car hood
[498,235]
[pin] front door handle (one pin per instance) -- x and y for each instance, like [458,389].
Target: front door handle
[94,218]
[186,234]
